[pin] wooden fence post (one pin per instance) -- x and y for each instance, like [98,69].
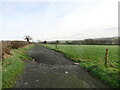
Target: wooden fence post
[106,57]
[56,46]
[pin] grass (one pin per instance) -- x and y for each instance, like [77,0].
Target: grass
[13,66]
[92,58]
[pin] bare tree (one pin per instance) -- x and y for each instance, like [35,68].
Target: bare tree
[28,38]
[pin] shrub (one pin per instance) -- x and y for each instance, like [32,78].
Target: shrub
[8,45]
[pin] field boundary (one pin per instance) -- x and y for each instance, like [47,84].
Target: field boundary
[93,69]
[7,46]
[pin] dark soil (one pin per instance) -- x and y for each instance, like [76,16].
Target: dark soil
[50,69]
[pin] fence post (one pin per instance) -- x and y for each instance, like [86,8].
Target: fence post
[56,46]
[106,57]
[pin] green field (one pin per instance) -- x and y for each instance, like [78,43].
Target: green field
[92,58]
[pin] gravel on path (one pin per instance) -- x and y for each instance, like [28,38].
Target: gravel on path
[50,69]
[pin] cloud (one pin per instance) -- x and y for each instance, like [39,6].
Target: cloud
[95,21]
[59,20]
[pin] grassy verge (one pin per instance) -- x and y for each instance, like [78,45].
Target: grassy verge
[14,65]
[91,57]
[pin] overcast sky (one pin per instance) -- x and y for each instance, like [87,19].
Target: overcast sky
[58,20]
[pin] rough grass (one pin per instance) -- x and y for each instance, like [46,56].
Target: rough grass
[92,58]
[14,65]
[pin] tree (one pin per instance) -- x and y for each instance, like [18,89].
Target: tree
[45,42]
[89,41]
[28,38]
[57,41]
[67,42]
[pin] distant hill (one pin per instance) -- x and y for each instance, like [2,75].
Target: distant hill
[116,37]
[95,41]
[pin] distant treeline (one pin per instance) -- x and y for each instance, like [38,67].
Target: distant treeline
[100,41]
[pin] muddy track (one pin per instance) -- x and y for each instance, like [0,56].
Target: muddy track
[50,69]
